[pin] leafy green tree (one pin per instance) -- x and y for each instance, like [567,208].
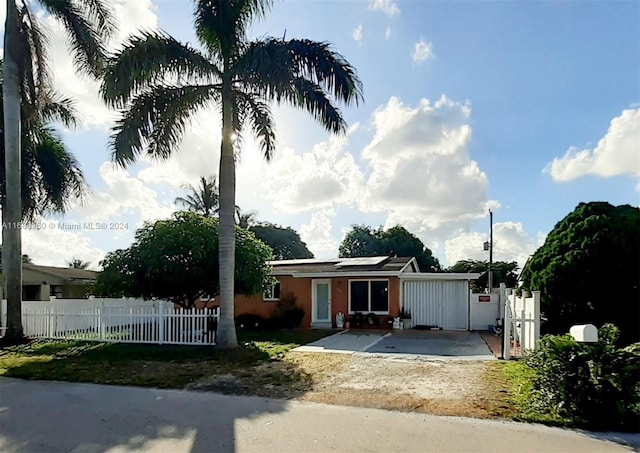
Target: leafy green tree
[177,260]
[284,241]
[588,270]
[160,83]
[25,74]
[503,272]
[364,241]
[203,198]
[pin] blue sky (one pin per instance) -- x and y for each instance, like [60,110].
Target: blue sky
[527,108]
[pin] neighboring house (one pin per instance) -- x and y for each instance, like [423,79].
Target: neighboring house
[377,285]
[42,282]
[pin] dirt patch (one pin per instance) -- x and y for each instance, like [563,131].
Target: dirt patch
[463,388]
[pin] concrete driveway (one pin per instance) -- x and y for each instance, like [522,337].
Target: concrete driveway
[441,345]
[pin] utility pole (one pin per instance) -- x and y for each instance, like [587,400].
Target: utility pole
[490,251]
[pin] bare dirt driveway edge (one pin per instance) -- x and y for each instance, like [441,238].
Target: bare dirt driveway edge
[39,416]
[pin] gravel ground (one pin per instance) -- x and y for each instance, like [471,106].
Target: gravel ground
[463,388]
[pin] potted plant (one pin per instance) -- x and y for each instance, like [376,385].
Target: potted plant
[405,316]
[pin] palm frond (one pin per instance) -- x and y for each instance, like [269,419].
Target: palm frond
[33,55]
[271,59]
[52,177]
[221,25]
[86,40]
[56,107]
[149,59]
[100,13]
[256,114]
[203,198]
[156,120]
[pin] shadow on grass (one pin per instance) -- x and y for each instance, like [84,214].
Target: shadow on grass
[255,368]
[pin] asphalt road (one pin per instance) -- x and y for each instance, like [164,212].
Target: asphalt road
[48,417]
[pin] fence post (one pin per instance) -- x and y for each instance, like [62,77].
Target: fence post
[101,319]
[506,331]
[524,342]
[160,319]
[536,317]
[51,316]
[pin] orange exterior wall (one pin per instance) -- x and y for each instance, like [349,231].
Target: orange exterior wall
[301,288]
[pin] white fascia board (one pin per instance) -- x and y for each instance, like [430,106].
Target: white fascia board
[412,260]
[440,276]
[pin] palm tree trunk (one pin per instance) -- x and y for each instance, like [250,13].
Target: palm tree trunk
[226,336]
[12,210]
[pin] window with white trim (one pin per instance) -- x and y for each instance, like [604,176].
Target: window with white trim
[272,292]
[369,296]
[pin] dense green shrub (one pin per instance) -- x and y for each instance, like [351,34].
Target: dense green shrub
[287,314]
[595,386]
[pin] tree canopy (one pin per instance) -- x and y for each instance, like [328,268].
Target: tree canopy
[503,272]
[177,259]
[365,241]
[285,241]
[588,270]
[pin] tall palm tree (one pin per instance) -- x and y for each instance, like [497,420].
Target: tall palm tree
[245,219]
[26,73]
[203,198]
[160,83]
[77,263]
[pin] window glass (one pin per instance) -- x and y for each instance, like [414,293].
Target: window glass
[380,296]
[359,296]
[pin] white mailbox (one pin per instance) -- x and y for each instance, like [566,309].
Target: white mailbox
[584,333]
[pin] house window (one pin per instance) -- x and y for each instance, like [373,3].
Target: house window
[369,296]
[272,292]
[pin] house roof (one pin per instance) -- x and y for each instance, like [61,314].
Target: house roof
[373,265]
[65,273]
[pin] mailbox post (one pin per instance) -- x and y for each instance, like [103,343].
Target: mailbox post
[584,333]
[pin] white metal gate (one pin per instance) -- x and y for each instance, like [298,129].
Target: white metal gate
[437,303]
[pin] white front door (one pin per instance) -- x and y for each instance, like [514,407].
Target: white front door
[321,301]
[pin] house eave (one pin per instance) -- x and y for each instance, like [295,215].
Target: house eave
[361,274]
[440,276]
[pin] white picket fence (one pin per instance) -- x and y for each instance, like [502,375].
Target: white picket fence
[116,320]
[521,323]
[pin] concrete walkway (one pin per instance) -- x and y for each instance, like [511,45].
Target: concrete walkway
[51,417]
[440,345]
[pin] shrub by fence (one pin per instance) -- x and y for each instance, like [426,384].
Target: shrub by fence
[595,386]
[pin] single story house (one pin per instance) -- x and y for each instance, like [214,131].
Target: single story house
[42,282]
[377,286]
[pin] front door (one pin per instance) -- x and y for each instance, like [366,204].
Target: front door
[321,301]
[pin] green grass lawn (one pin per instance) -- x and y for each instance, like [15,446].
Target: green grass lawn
[163,366]
[518,377]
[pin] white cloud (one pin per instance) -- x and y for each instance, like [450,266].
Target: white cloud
[510,243]
[387,33]
[52,245]
[319,179]
[357,34]
[317,234]
[422,51]
[617,153]
[421,174]
[123,195]
[388,7]
[131,15]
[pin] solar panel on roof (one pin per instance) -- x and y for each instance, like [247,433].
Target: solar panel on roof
[363,261]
